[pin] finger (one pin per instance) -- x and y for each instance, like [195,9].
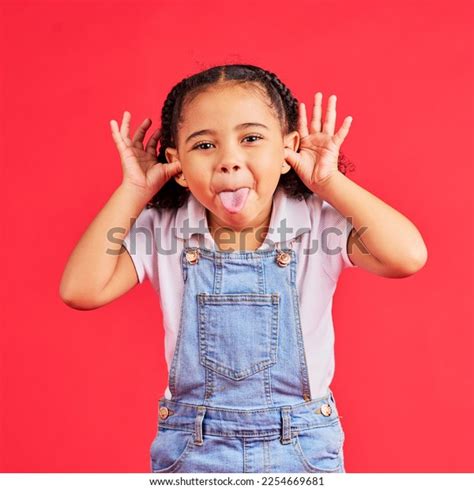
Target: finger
[316,119]
[343,131]
[140,132]
[117,137]
[330,121]
[294,159]
[172,169]
[125,127]
[152,143]
[302,120]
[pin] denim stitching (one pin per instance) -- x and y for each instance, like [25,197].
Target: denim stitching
[205,300]
[295,407]
[300,341]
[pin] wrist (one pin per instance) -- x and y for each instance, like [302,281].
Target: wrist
[134,193]
[326,187]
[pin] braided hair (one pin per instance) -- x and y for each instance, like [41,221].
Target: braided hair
[173,195]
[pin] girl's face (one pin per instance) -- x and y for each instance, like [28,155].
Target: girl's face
[231,139]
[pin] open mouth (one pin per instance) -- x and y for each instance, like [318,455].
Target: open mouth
[234,200]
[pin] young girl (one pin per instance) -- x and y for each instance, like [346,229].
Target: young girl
[244,221]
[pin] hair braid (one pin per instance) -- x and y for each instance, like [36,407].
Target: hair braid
[171,194]
[292,111]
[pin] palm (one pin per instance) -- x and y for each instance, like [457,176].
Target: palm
[140,165]
[319,148]
[318,156]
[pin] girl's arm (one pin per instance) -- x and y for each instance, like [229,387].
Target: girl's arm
[393,245]
[383,240]
[97,258]
[98,271]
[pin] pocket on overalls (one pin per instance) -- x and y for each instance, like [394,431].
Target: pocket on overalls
[238,333]
[169,449]
[320,448]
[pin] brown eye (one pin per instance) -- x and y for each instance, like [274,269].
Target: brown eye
[198,146]
[253,136]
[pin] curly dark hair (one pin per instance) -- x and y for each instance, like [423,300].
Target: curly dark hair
[173,195]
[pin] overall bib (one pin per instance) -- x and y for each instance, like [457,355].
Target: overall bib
[241,400]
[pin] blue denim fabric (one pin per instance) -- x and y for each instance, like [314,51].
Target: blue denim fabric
[241,400]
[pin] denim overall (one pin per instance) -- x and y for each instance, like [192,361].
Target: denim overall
[241,400]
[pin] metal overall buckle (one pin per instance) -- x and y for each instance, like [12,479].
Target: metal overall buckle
[284,257]
[192,256]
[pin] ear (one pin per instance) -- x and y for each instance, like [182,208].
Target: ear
[292,141]
[172,155]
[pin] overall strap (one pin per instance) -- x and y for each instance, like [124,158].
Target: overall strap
[194,241]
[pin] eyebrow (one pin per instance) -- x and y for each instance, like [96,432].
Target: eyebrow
[210,131]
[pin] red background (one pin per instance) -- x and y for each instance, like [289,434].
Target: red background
[79,389]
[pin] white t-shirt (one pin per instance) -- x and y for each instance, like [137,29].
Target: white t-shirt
[156,239]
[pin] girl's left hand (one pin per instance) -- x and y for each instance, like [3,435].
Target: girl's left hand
[317,159]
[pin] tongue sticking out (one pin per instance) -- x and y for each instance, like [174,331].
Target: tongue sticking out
[234,201]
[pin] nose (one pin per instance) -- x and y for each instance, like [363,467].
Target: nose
[230,158]
[228,167]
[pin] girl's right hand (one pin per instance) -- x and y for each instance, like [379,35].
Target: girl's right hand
[141,169]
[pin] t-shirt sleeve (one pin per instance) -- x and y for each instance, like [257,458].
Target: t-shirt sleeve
[140,244]
[334,234]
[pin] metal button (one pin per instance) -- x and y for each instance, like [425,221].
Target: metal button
[326,410]
[164,412]
[283,259]
[192,256]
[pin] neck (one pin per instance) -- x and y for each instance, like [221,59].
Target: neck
[248,238]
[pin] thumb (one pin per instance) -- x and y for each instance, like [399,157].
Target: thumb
[172,169]
[293,158]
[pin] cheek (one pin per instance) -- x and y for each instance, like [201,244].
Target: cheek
[196,171]
[267,179]
[270,169]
